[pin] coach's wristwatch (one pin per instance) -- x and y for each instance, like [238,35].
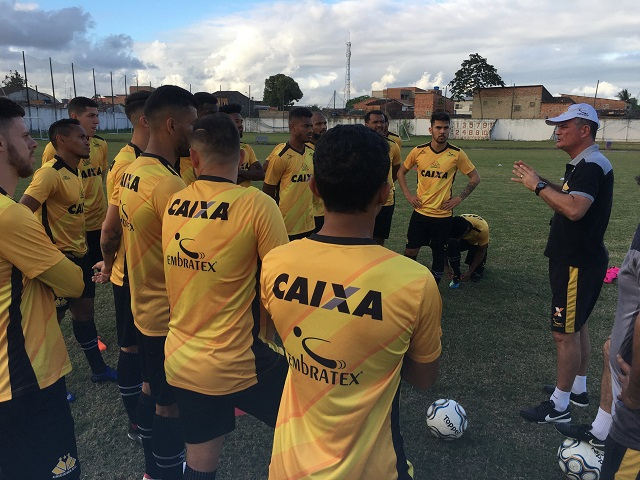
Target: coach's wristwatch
[540,186]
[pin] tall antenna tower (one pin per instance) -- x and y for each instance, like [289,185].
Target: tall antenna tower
[347,78]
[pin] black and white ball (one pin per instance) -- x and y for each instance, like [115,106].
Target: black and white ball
[446,419]
[579,460]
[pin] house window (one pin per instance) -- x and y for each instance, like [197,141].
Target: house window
[606,105]
[458,106]
[499,102]
[532,104]
[516,108]
[470,107]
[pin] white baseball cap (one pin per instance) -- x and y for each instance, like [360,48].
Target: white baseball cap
[578,110]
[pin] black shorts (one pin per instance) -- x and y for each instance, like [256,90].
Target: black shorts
[89,287]
[299,236]
[205,417]
[37,438]
[93,243]
[619,462]
[382,227]
[151,351]
[574,292]
[124,316]
[427,231]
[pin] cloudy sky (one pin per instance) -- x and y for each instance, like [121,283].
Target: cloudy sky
[567,46]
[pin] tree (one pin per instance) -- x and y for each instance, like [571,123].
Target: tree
[625,96]
[281,91]
[353,101]
[474,73]
[13,79]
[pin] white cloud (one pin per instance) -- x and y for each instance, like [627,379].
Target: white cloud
[605,90]
[426,83]
[394,44]
[387,79]
[25,7]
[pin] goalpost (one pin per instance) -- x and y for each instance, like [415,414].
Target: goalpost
[34,124]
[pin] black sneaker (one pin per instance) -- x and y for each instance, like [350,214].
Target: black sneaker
[580,432]
[546,413]
[578,399]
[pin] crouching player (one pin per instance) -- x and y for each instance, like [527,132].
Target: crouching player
[214,233]
[354,318]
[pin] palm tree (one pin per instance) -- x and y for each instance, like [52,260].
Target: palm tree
[625,96]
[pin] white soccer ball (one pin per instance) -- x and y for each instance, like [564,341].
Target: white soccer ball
[579,460]
[446,419]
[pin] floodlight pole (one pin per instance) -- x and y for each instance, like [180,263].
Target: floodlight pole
[53,89]
[26,89]
[73,77]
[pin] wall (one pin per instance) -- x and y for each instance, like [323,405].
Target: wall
[509,102]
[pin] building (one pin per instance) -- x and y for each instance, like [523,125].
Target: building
[19,95]
[430,101]
[389,106]
[402,94]
[463,107]
[511,102]
[535,101]
[604,106]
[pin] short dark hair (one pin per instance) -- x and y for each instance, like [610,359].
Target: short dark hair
[440,117]
[300,112]
[231,108]
[593,126]
[168,98]
[78,105]
[135,103]
[367,116]
[219,135]
[8,111]
[61,127]
[205,97]
[204,100]
[459,226]
[350,163]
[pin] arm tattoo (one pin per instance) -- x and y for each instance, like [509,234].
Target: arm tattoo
[467,190]
[111,245]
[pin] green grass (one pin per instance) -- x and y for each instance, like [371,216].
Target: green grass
[497,348]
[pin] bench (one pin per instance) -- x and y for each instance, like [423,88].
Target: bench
[262,139]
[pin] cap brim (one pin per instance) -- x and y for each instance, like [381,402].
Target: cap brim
[558,119]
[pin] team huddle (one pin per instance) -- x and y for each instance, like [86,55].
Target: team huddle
[281,303]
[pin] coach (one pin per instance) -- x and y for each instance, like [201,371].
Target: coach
[577,254]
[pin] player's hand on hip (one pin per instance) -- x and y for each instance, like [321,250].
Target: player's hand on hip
[450,204]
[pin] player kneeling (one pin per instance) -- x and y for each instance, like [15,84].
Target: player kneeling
[214,233]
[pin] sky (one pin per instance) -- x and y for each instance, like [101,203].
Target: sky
[567,46]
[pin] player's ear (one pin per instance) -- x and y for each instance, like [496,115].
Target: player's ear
[384,192]
[170,124]
[195,160]
[143,122]
[314,186]
[73,115]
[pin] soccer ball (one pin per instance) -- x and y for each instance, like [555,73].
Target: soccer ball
[579,460]
[446,419]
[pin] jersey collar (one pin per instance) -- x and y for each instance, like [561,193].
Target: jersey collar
[136,149]
[4,192]
[342,240]
[437,153]
[64,164]
[214,178]
[301,152]
[162,160]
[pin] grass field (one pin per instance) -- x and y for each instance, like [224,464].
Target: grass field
[497,349]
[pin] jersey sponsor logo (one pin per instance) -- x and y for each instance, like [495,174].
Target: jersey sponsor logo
[130,181]
[199,209]
[298,291]
[193,259]
[326,370]
[433,174]
[435,164]
[303,177]
[91,172]
[124,218]
[66,464]
[76,209]
[305,167]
